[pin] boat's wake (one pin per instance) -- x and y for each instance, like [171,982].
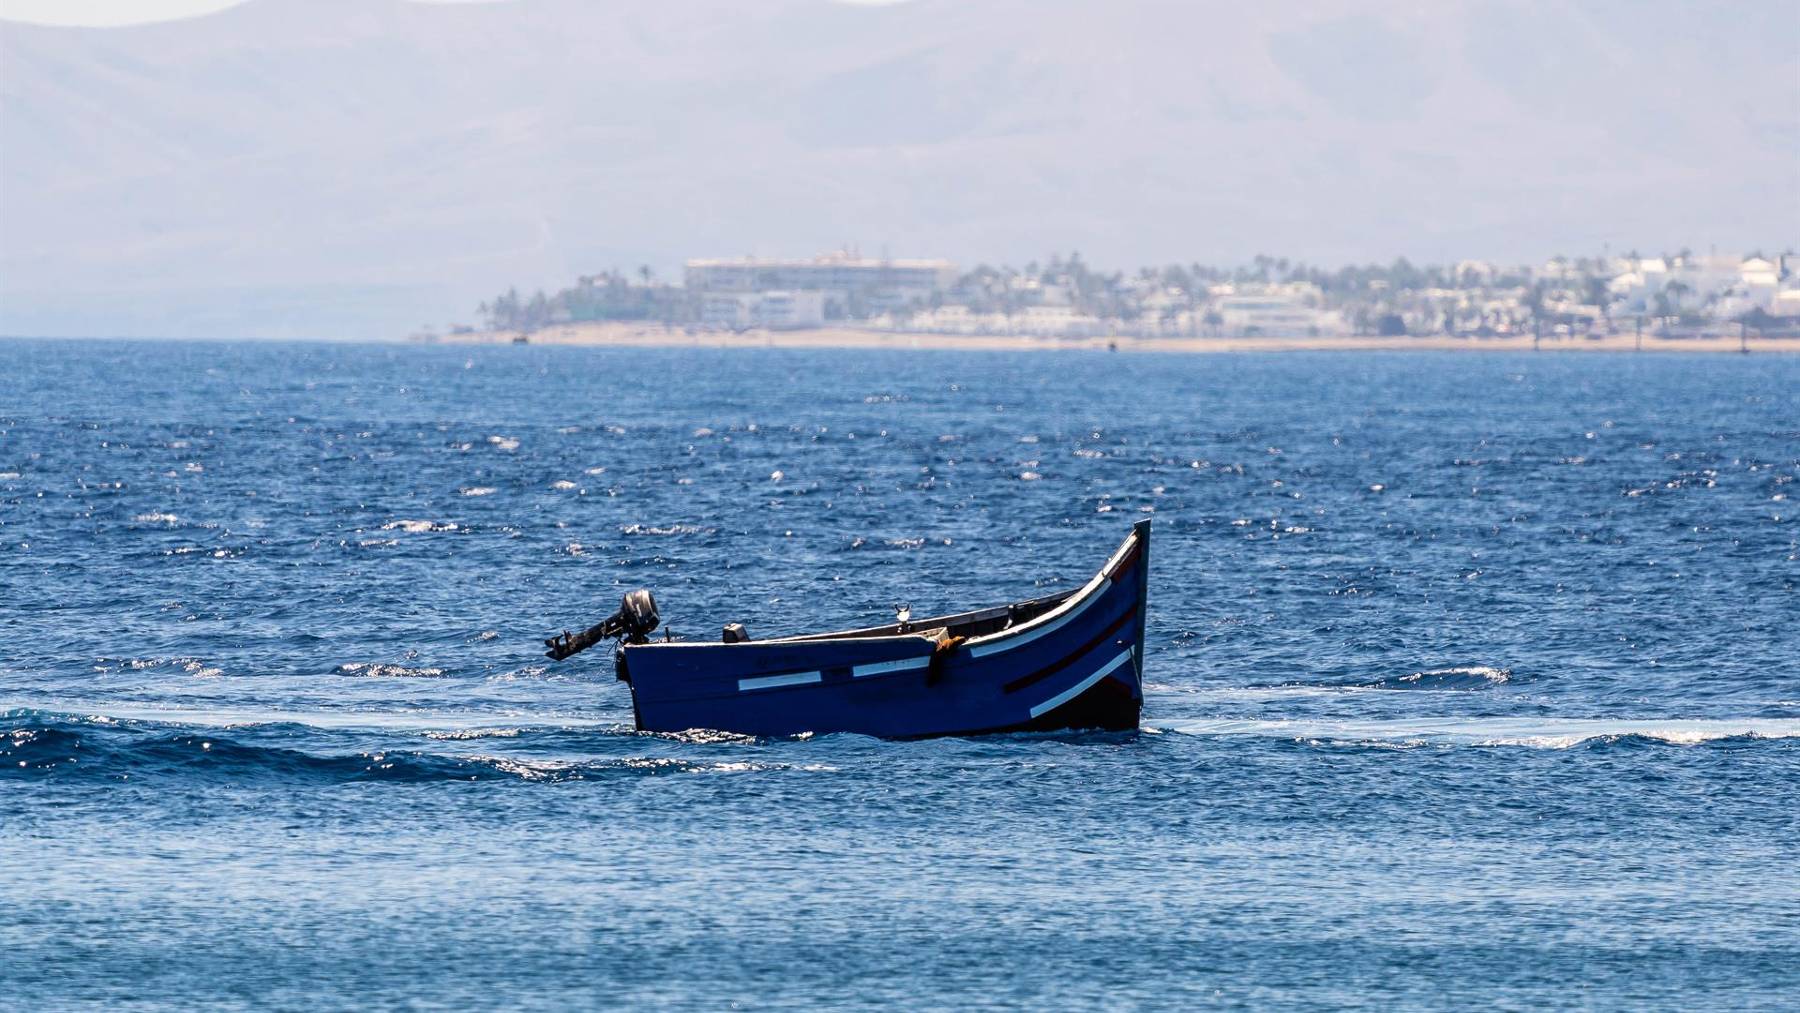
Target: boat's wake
[1461,677]
[1539,732]
[1457,679]
[416,747]
[36,742]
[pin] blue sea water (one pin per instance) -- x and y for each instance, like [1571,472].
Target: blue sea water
[1472,679]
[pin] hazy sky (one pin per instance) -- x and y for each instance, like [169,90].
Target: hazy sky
[107,12]
[128,12]
[123,12]
[363,166]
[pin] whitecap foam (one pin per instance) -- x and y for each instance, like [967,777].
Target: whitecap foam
[404,721]
[1460,677]
[1538,733]
[1247,694]
[418,527]
[462,734]
[377,670]
[705,737]
[530,770]
[666,529]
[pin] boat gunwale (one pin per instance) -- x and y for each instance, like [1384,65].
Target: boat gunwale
[1088,591]
[923,628]
[934,627]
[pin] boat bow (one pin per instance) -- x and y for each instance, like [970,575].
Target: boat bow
[1069,660]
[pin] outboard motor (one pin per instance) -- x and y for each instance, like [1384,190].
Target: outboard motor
[633,624]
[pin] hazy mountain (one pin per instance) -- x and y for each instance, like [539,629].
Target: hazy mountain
[360,167]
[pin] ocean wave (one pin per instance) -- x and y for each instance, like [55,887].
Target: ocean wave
[416,527]
[666,529]
[1467,678]
[1536,733]
[464,734]
[36,743]
[542,672]
[705,737]
[384,722]
[378,670]
[1462,677]
[193,666]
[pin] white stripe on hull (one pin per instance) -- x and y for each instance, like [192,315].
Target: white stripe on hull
[771,681]
[1032,633]
[1081,687]
[857,671]
[1053,619]
[884,667]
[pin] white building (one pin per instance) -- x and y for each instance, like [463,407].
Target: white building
[1476,272]
[1290,310]
[1032,292]
[783,310]
[954,319]
[776,310]
[1757,287]
[1724,287]
[846,280]
[731,310]
[1056,322]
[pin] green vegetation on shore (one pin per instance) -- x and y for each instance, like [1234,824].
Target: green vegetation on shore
[1670,294]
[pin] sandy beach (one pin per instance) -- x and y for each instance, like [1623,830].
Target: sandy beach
[641,335]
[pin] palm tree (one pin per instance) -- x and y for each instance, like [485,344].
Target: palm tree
[1596,291]
[1677,289]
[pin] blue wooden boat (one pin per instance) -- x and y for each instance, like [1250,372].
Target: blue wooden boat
[1072,660]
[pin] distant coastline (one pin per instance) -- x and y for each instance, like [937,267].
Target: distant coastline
[649,335]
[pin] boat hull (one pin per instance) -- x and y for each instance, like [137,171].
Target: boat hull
[1075,663]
